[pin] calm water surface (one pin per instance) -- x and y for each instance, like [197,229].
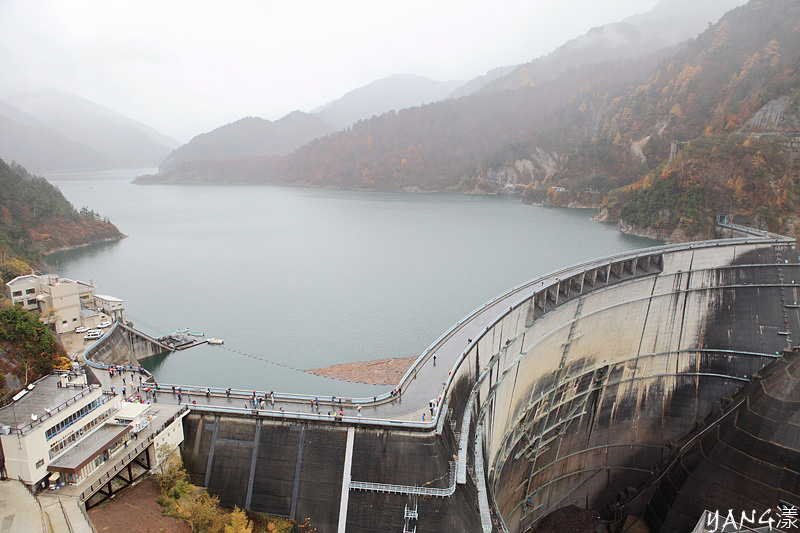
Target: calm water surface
[296,278]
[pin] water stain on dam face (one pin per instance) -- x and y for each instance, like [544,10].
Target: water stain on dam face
[697,343]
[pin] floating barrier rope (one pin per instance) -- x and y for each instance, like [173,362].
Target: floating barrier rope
[289,367]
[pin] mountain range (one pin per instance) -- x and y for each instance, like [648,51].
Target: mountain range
[602,134]
[668,23]
[601,121]
[54,130]
[50,130]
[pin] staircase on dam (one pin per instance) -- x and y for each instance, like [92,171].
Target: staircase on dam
[592,386]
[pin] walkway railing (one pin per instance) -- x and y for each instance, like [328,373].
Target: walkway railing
[321,417]
[412,490]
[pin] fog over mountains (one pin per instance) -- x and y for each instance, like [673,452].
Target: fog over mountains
[256,137]
[52,130]
[669,23]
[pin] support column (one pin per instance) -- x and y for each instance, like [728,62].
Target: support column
[211,452]
[348,465]
[297,466]
[253,466]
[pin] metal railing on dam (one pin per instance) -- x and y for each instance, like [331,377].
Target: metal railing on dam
[565,389]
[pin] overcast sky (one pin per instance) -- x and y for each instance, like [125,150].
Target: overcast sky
[188,66]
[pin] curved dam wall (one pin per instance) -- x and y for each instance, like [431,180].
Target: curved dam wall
[576,392]
[123,345]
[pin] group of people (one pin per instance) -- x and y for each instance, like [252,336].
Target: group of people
[134,389]
[255,401]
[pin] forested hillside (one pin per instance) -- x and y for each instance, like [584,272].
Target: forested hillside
[729,104]
[28,349]
[35,219]
[247,137]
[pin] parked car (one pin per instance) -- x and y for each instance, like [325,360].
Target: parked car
[104,324]
[93,335]
[81,329]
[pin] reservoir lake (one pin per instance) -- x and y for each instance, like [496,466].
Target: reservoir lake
[296,278]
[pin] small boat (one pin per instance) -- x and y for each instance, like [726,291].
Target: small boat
[215,341]
[195,334]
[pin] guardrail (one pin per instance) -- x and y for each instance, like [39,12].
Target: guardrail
[96,344]
[561,274]
[310,417]
[87,352]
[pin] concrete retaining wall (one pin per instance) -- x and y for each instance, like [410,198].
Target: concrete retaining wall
[296,470]
[123,346]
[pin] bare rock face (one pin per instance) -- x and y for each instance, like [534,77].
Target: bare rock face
[776,115]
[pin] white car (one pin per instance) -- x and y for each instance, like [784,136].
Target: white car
[81,329]
[93,335]
[104,324]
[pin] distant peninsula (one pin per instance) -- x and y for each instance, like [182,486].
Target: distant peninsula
[36,219]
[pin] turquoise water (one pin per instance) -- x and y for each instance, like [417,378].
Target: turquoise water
[296,278]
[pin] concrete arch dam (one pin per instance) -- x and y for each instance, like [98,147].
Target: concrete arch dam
[577,393]
[572,389]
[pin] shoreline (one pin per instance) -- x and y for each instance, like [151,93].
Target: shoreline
[378,372]
[66,248]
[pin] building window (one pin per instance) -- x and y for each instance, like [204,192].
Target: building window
[31,302]
[39,463]
[50,433]
[16,293]
[30,291]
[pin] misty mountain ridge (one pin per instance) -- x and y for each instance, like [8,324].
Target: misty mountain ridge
[669,22]
[55,130]
[258,137]
[27,140]
[248,137]
[599,135]
[392,93]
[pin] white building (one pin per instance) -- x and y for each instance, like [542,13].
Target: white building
[60,430]
[111,306]
[62,302]
[23,291]
[48,419]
